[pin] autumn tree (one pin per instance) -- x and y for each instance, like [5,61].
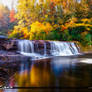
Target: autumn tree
[89,2]
[4,19]
[30,11]
[12,16]
[26,12]
[12,19]
[81,9]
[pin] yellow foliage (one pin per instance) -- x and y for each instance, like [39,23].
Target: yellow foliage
[73,19]
[85,20]
[39,31]
[55,26]
[38,28]
[19,32]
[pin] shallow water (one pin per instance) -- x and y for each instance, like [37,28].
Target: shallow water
[54,74]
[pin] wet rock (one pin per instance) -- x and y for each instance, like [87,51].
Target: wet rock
[8,44]
[9,51]
[12,45]
[13,58]
[7,71]
[39,46]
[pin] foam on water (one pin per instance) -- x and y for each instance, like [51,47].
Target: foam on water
[88,61]
[57,48]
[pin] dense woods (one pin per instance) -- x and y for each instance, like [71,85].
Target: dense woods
[67,20]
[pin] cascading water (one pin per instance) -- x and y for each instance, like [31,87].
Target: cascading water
[63,48]
[57,48]
[45,51]
[26,46]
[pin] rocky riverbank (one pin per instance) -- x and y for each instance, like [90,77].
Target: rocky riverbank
[9,49]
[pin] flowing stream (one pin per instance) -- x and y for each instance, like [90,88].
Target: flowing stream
[57,48]
[65,68]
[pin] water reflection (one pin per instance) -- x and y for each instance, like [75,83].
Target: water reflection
[55,72]
[33,75]
[59,65]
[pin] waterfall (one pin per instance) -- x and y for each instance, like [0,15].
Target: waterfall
[63,48]
[26,46]
[57,48]
[45,51]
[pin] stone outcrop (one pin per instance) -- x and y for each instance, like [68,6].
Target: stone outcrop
[9,50]
[39,46]
[12,44]
[8,44]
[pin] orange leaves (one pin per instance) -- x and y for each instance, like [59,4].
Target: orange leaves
[25,36]
[25,32]
[64,4]
[47,27]
[12,14]
[63,27]
[56,1]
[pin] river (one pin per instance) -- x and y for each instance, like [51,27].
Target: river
[53,74]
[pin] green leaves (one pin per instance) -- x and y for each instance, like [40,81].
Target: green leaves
[88,37]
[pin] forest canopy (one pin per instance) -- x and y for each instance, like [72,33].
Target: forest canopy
[51,20]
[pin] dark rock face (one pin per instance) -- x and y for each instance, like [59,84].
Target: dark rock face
[12,45]
[39,46]
[8,51]
[8,44]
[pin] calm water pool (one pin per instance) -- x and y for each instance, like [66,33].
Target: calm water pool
[55,74]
